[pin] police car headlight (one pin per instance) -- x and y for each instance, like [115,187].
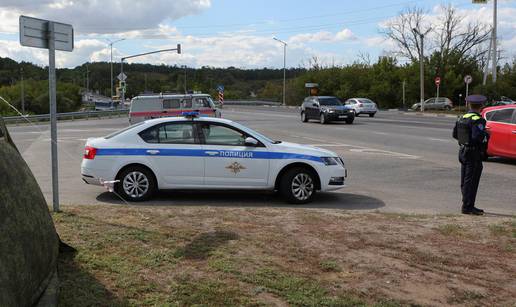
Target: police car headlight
[330,160]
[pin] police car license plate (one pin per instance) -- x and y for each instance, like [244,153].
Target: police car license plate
[343,116]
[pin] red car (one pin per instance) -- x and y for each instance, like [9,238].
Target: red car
[501,125]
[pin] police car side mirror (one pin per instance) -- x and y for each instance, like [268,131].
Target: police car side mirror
[251,142]
[315,105]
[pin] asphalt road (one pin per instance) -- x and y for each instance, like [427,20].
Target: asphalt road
[396,162]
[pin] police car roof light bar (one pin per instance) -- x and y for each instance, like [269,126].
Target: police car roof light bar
[190,114]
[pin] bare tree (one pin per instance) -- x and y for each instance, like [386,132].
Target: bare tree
[448,35]
[465,40]
[364,58]
[400,30]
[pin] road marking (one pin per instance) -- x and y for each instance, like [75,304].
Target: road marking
[369,150]
[380,133]
[440,140]
[385,153]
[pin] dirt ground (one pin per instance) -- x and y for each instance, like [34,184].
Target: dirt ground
[288,256]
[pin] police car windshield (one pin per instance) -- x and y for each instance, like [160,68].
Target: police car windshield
[333,101]
[123,130]
[254,133]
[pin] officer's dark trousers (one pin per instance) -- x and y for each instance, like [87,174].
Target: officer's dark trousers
[471,171]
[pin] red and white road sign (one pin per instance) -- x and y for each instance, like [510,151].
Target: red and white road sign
[437,81]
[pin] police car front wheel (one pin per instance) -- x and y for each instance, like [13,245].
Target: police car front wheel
[136,184]
[298,185]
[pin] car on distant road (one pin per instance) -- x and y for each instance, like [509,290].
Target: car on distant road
[501,126]
[439,103]
[207,153]
[149,106]
[326,109]
[362,106]
[503,101]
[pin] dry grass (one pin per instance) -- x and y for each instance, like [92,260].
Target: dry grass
[182,256]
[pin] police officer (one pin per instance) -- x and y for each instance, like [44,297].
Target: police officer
[470,131]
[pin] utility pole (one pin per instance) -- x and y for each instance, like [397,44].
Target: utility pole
[111,61]
[486,68]
[284,68]
[495,4]
[403,94]
[421,70]
[22,92]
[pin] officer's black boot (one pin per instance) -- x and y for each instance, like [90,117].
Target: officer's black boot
[471,210]
[477,211]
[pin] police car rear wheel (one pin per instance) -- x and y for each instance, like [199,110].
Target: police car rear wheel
[136,184]
[298,185]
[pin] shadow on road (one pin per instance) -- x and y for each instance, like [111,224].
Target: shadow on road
[502,160]
[344,201]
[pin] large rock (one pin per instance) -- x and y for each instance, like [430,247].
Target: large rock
[29,244]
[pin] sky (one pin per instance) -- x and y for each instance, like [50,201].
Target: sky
[238,33]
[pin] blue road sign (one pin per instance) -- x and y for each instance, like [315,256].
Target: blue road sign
[220,88]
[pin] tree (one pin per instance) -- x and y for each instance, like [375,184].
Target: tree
[449,34]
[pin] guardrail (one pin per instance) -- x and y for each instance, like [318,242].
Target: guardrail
[62,116]
[251,103]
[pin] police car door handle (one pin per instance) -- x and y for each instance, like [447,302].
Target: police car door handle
[153,151]
[212,153]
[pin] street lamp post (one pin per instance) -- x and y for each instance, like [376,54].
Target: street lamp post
[178,49]
[421,70]
[111,60]
[284,67]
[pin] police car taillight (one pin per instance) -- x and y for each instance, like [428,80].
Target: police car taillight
[90,152]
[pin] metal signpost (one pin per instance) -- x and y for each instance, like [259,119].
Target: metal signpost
[467,79]
[53,36]
[437,84]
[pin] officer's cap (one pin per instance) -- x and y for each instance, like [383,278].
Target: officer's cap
[476,99]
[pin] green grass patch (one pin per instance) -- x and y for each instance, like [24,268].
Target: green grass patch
[451,230]
[187,291]
[299,291]
[329,266]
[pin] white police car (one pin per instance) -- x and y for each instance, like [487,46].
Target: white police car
[207,153]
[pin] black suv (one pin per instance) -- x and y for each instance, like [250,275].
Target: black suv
[326,109]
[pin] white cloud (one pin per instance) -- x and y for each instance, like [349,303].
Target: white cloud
[84,51]
[97,16]
[322,36]
[343,35]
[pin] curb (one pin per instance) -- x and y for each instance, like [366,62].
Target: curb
[430,114]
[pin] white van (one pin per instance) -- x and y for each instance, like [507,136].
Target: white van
[145,107]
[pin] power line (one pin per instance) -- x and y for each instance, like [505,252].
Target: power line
[266,22]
